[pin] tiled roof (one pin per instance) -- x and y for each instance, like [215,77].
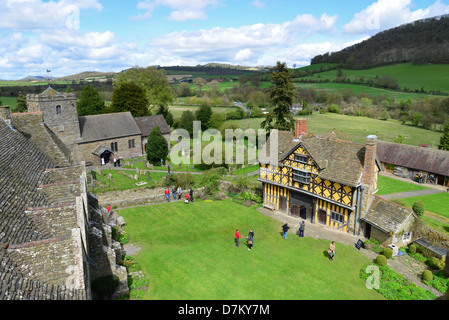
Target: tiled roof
[386,215]
[108,126]
[146,124]
[340,161]
[426,159]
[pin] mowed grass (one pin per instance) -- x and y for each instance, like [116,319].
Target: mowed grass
[390,185]
[437,203]
[188,252]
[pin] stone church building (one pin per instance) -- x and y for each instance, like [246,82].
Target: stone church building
[91,138]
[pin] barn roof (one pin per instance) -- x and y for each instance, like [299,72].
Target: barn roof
[108,126]
[413,157]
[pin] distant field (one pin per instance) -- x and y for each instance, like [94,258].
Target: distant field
[429,76]
[357,89]
[356,129]
[9,101]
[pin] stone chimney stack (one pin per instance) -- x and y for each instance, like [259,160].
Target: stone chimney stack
[369,174]
[300,128]
[5,114]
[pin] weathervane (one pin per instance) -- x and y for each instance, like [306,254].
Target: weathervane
[48,75]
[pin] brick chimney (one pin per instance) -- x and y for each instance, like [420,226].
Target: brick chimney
[370,160]
[300,128]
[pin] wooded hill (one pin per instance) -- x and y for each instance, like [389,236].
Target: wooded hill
[420,42]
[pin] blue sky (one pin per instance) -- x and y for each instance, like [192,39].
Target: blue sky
[71,36]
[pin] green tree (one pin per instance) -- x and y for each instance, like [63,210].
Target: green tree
[203,114]
[187,118]
[130,97]
[444,140]
[281,95]
[21,104]
[165,112]
[216,120]
[416,119]
[90,102]
[157,147]
[153,81]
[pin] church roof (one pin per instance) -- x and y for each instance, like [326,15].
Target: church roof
[108,126]
[146,124]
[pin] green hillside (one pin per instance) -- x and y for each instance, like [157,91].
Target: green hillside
[414,77]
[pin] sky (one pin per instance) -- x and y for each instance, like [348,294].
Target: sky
[72,36]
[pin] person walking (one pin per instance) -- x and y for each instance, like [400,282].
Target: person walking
[174,193]
[251,234]
[285,228]
[303,228]
[191,194]
[179,193]
[167,194]
[250,241]
[237,237]
[115,161]
[331,251]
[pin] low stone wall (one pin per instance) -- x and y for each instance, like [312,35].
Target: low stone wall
[141,196]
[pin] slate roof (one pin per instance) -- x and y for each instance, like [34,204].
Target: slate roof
[34,239]
[339,161]
[386,215]
[146,124]
[108,126]
[413,157]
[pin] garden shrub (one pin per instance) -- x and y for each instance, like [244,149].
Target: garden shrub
[381,260]
[434,262]
[418,208]
[427,275]
[412,249]
[388,253]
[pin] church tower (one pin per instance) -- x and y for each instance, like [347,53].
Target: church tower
[59,113]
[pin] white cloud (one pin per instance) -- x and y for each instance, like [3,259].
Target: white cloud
[37,14]
[181,10]
[63,38]
[385,14]
[258,4]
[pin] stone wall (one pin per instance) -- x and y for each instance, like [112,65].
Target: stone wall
[124,152]
[141,196]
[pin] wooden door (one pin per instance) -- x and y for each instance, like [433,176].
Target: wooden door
[283,204]
[322,216]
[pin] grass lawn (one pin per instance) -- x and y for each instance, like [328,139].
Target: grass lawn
[437,203]
[188,252]
[390,185]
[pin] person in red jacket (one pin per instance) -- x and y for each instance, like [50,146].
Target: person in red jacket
[167,194]
[237,237]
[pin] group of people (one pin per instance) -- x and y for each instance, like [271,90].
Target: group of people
[249,238]
[177,192]
[301,229]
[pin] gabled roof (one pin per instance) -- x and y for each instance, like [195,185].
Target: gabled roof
[386,215]
[338,160]
[146,124]
[107,126]
[419,158]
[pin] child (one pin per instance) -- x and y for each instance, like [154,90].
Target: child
[186,201]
